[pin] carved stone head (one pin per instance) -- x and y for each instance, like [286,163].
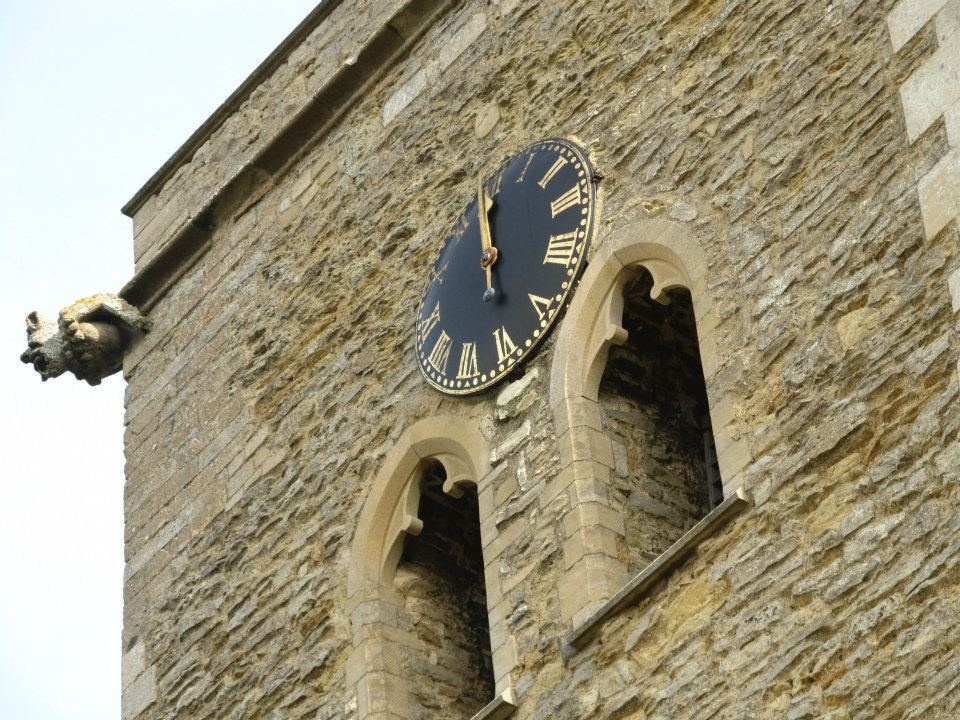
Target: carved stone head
[44,347]
[89,338]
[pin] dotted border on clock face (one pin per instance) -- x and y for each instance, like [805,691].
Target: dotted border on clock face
[460,387]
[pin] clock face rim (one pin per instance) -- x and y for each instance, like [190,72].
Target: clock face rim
[528,352]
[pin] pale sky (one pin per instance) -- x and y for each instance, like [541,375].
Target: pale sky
[94,96]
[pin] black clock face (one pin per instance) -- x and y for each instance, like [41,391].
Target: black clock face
[540,207]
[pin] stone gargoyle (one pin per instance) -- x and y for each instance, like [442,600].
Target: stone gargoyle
[88,339]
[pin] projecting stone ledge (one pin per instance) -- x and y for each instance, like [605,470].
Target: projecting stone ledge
[500,708]
[714,521]
[89,338]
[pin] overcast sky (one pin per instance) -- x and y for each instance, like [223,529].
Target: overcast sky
[94,96]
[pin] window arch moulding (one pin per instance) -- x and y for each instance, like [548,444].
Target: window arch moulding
[594,571]
[388,516]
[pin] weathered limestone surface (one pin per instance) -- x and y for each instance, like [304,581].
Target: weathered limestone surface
[280,369]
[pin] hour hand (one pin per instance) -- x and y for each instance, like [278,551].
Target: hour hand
[489,255]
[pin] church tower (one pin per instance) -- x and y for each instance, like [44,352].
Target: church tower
[501,358]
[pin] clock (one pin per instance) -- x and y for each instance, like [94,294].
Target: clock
[507,268]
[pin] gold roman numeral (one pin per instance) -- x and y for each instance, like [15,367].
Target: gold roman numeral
[505,346]
[468,361]
[540,304]
[440,353]
[566,201]
[430,322]
[523,173]
[554,169]
[560,249]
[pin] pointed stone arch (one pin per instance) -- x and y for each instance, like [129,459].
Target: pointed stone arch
[389,515]
[390,510]
[595,570]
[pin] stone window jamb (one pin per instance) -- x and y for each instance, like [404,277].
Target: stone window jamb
[389,514]
[593,530]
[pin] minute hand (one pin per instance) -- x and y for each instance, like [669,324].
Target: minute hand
[489,256]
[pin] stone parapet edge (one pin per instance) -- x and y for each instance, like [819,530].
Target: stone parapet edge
[501,707]
[190,240]
[715,520]
[230,105]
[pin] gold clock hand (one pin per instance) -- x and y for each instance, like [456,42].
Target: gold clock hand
[489,255]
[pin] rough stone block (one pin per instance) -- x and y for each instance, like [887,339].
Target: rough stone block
[954,283]
[939,193]
[511,442]
[139,695]
[574,413]
[947,21]
[134,663]
[907,17]
[461,40]
[735,459]
[404,95]
[506,6]
[585,444]
[591,514]
[504,658]
[932,89]
[486,120]
[590,540]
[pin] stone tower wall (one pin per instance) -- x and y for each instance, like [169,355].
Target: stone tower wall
[282,259]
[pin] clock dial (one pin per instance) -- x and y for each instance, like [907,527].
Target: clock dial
[540,207]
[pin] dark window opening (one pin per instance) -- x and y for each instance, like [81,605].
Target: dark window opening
[450,674]
[654,407]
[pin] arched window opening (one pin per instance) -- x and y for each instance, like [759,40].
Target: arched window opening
[654,407]
[441,579]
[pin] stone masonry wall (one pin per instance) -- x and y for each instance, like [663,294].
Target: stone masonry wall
[280,372]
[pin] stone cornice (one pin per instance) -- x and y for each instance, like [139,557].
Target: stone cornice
[189,241]
[263,71]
